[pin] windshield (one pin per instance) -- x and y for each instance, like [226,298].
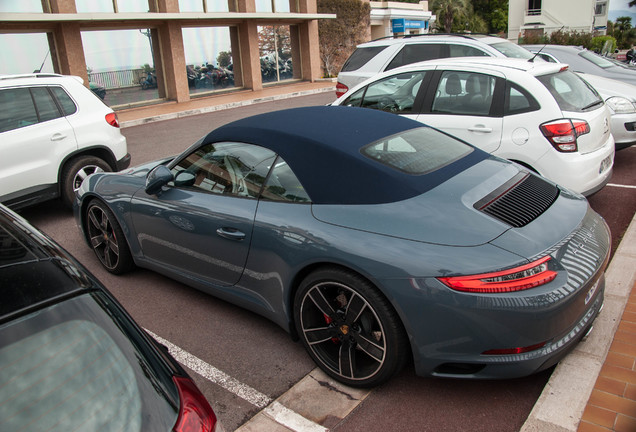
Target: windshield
[596,59]
[512,50]
[571,92]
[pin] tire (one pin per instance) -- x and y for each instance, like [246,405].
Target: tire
[349,329]
[74,173]
[107,238]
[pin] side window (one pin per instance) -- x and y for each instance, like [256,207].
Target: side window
[225,168]
[283,185]
[67,104]
[395,93]
[518,100]
[355,100]
[17,109]
[464,93]
[466,51]
[46,107]
[412,53]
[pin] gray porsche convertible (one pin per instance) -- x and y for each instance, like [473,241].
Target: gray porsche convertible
[370,237]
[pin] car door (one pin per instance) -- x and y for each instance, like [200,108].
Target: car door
[466,104]
[201,224]
[33,133]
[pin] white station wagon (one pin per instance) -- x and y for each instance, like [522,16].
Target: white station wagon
[539,115]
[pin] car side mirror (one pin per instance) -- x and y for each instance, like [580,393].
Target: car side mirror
[157,178]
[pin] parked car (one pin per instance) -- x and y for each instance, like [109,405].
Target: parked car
[100,91]
[613,80]
[620,98]
[385,54]
[70,355]
[375,57]
[369,236]
[536,114]
[53,133]
[583,60]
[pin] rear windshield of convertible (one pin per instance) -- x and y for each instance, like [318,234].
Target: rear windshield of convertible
[417,151]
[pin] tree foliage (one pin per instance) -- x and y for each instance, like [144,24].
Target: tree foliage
[339,37]
[275,39]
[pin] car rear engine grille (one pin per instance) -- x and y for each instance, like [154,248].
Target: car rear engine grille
[519,201]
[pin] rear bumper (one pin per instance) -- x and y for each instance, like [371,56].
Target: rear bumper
[123,163]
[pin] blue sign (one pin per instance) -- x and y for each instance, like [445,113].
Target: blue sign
[400,25]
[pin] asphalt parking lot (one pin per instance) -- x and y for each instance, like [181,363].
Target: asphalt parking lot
[243,363]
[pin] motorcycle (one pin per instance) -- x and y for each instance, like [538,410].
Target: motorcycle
[148,82]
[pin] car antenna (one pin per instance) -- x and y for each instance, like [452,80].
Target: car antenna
[539,52]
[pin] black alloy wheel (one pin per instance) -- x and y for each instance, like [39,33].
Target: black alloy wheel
[107,238]
[349,329]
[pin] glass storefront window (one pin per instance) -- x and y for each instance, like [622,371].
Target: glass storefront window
[277,6]
[121,62]
[208,55]
[21,6]
[198,6]
[274,44]
[93,6]
[24,53]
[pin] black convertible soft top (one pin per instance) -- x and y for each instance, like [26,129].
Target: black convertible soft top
[323,145]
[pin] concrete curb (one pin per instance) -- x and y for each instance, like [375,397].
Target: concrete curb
[565,396]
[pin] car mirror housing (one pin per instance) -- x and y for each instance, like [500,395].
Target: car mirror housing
[157,178]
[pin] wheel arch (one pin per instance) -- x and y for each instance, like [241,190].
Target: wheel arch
[85,202]
[101,152]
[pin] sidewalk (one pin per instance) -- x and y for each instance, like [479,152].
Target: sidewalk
[592,390]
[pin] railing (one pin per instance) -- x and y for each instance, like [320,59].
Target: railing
[116,79]
[532,12]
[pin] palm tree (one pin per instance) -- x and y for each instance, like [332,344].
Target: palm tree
[448,10]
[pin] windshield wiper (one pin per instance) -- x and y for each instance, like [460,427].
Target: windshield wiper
[593,104]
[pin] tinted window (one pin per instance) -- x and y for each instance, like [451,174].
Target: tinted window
[71,367]
[417,151]
[466,51]
[46,108]
[596,59]
[16,109]
[412,53]
[65,101]
[360,57]
[570,91]
[518,100]
[225,168]
[464,93]
[283,185]
[395,93]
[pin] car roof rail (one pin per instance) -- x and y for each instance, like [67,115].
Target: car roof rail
[31,75]
[409,36]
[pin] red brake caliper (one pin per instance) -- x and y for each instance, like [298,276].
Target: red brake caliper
[328,320]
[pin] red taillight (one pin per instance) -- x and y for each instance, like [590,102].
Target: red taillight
[195,413]
[341,89]
[563,133]
[516,279]
[111,119]
[519,350]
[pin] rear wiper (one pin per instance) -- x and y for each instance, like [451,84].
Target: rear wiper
[593,104]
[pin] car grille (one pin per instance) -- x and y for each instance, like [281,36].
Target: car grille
[519,201]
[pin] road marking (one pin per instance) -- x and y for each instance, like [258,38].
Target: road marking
[291,419]
[275,410]
[621,186]
[215,375]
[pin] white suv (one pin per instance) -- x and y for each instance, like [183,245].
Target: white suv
[53,133]
[385,54]
[539,115]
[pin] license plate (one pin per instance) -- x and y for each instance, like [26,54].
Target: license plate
[605,164]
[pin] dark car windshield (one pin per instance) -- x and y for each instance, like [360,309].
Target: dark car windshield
[417,151]
[570,91]
[72,367]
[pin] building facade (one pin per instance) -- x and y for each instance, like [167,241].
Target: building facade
[254,32]
[542,17]
[395,18]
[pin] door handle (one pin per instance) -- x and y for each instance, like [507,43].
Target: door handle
[480,128]
[231,233]
[57,137]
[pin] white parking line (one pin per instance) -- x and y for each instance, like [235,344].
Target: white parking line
[621,186]
[213,374]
